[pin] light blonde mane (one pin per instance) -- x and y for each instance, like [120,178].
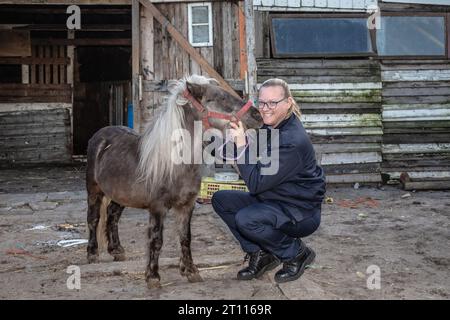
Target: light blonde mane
[156,148]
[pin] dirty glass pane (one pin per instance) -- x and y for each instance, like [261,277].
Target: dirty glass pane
[417,36]
[310,36]
[199,14]
[200,34]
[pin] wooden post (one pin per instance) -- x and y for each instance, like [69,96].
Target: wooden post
[179,38]
[70,69]
[71,56]
[250,37]
[147,66]
[135,64]
[242,42]
[25,73]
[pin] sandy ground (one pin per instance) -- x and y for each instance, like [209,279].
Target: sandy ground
[407,238]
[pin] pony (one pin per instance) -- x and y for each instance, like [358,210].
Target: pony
[126,169]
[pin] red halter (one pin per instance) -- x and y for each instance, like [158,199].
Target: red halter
[206,114]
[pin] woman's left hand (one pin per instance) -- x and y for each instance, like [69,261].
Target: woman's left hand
[238,133]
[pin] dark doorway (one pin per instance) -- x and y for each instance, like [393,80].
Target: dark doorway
[101,91]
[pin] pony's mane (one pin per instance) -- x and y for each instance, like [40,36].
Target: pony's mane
[156,148]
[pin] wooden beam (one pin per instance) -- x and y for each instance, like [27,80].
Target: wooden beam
[164,85]
[427,185]
[250,37]
[70,55]
[135,50]
[33,60]
[147,69]
[86,27]
[68,2]
[178,37]
[25,73]
[82,42]
[242,41]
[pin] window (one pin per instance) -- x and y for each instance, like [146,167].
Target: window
[411,36]
[297,36]
[200,24]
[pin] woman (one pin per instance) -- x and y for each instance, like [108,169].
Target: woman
[279,209]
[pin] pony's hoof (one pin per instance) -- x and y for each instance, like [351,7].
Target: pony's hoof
[153,284]
[92,258]
[120,257]
[194,277]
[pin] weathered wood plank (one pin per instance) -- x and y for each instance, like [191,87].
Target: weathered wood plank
[62,68]
[421,173]
[351,168]
[427,185]
[322,79]
[18,107]
[346,131]
[350,157]
[346,147]
[416,75]
[352,178]
[363,93]
[416,84]
[416,148]
[335,86]
[416,114]
[227,45]
[337,99]
[417,99]
[339,139]
[315,63]
[280,72]
[409,92]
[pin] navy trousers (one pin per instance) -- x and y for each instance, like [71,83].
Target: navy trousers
[253,223]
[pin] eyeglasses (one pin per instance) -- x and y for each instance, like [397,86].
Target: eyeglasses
[269,104]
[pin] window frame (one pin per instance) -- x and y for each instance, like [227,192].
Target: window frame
[446,17]
[372,32]
[190,24]
[322,16]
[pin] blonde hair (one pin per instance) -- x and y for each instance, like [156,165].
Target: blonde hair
[274,82]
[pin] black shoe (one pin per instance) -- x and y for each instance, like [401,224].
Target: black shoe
[259,263]
[293,269]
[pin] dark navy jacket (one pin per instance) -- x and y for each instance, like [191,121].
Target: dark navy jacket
[299,185]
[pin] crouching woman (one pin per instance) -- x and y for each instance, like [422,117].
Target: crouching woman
[280,208]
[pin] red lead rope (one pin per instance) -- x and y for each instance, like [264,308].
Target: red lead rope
[206,114]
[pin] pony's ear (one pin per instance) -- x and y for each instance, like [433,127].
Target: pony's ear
[195,89]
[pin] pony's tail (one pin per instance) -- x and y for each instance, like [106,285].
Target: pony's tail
[102,239]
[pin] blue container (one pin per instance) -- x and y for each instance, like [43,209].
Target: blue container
[130,116]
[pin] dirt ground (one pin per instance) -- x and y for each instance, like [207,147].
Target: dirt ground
[406,236]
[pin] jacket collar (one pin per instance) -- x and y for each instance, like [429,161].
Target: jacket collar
[281,124]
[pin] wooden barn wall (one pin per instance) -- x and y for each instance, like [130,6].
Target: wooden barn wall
[35,116]
[35,136]
[340,102]
[416,118]
[171,62]
[416,110]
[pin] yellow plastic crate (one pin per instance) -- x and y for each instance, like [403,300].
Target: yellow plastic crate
[209,186]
